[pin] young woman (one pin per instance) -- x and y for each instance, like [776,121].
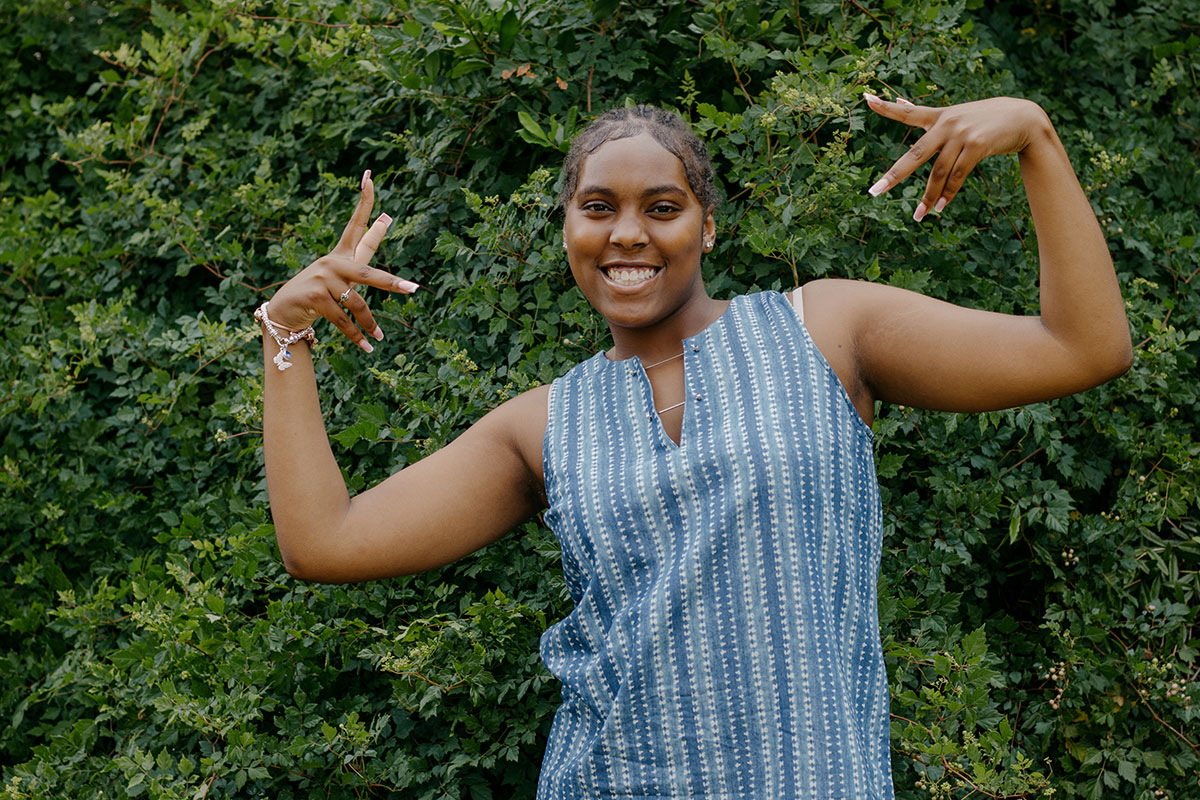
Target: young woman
[710,477]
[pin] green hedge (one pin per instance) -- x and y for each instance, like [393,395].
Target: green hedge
[165,165]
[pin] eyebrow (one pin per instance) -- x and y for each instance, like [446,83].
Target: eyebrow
[604,191]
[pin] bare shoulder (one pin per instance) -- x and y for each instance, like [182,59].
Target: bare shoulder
[831,309]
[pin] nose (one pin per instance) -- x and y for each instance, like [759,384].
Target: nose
[629,231]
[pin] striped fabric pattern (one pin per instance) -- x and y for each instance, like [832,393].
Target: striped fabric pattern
[725,640]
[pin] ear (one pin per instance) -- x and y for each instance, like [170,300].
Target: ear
[710,227]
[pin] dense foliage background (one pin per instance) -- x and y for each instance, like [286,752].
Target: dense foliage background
[164,165]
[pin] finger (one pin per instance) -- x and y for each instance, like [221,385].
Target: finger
[906,112]
[343,270]
[357,306]
[921,151]
[370,276]
[362,215]
[938,175]
[371,239]
[967,159]
[331,311]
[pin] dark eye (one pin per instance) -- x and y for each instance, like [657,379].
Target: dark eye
[663,208]
[595,207]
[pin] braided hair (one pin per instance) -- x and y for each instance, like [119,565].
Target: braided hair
[665,127]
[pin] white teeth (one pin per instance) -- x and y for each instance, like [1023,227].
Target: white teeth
[629,275]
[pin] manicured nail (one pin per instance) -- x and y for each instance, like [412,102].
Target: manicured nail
[939,205]
[378,333]
[919,214]
[366,177]
[870,98]
[880,186]
[365,345]
[407,286]
[385,219]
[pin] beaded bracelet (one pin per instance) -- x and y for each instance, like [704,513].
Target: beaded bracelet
[284,355]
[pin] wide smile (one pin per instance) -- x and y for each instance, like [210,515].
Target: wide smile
[629,277]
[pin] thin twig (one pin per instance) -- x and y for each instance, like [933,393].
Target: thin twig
[868,13]
[1022,461]
[1166,317]
[1163,722]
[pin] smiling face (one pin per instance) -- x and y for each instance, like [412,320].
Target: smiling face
[635,232]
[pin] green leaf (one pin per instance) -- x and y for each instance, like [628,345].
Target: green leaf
[888,464]
[509,26]
[215,603]
[941,665]
[604,9]
[530,125]
[465,66]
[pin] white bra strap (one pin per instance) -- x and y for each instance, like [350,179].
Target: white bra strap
[798,303]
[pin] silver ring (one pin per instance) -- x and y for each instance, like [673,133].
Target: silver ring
[345,294]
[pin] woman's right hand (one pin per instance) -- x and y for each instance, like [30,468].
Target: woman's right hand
[318,290]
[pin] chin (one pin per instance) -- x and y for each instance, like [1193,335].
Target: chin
[633,313]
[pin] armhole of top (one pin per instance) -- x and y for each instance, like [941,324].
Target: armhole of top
[798,303]
[547,473]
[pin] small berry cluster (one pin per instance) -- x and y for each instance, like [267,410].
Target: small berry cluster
[938,790]
[1176,688]
[1058,674]
[1069,558]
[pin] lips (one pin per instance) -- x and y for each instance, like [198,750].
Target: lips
[629,275]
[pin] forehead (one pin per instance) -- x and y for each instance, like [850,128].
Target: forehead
[632,164]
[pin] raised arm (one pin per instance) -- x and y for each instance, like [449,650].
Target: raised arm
[898,346]
[430,513]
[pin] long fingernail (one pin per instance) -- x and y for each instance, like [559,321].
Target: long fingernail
[365,345]
[870,98]
[385,219]
[378,333]
[407,286]
[919,214]
[366,177]
[902,101]
[880,186]
[940,204]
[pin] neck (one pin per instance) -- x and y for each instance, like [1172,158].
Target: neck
[664,339]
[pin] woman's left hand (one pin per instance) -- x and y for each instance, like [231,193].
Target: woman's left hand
[960,136]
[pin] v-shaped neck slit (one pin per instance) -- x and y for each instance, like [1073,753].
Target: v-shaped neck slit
[691,350]
[684,403]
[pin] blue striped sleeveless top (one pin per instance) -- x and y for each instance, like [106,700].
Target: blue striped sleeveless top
[725,639]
